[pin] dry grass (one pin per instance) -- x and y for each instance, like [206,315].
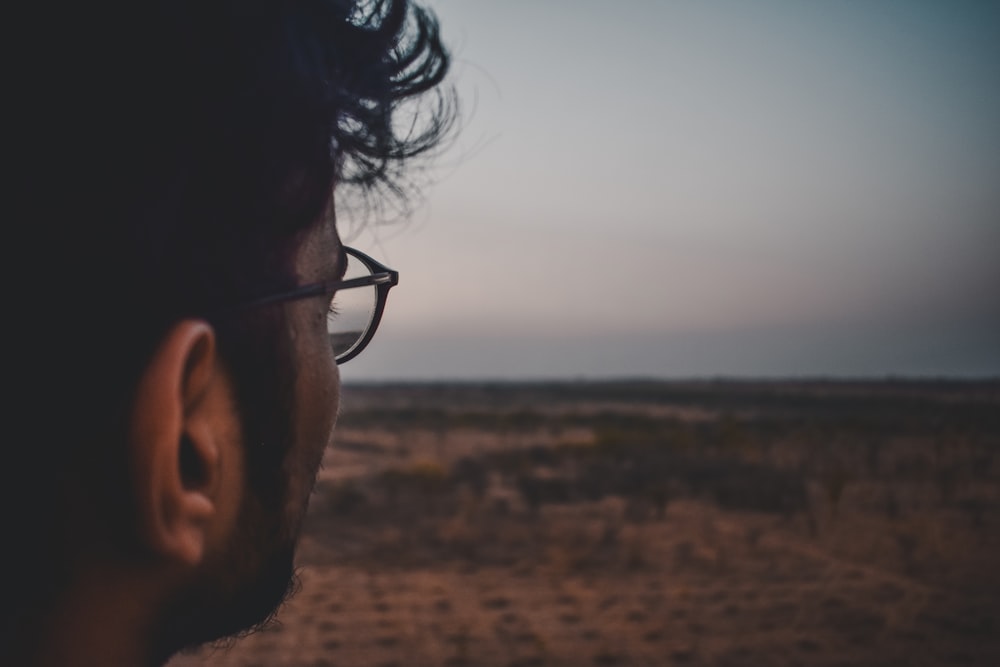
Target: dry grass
[700,524]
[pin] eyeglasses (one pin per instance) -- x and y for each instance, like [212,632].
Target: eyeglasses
[356,304]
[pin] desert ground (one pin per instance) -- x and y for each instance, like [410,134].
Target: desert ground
[649,523]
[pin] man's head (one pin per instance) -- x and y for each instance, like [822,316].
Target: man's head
[176,162]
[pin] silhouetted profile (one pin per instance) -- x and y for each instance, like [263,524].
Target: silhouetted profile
[170,344]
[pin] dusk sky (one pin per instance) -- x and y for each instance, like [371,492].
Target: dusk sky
[744,188]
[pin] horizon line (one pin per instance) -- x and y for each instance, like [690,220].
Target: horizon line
[915,378]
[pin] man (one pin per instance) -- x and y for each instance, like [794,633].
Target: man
[171,345]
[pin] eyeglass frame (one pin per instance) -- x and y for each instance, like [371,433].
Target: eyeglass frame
[381,277]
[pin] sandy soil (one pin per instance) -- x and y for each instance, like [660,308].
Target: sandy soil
[890,559]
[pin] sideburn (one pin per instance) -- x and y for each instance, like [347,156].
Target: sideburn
[258,350]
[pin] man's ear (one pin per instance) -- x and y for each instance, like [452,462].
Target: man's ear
[183,444]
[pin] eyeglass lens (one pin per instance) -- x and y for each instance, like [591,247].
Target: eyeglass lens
[351,310]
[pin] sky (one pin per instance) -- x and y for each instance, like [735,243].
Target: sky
[677,189]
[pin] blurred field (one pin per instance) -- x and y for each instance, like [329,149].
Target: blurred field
[605,524]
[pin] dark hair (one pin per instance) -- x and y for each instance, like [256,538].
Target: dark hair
[171,155]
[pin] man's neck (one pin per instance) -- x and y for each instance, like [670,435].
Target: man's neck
[98,622]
